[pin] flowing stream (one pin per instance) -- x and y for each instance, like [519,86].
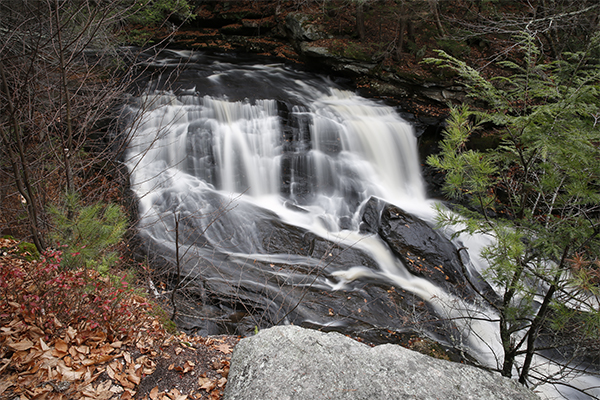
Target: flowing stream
[255,179]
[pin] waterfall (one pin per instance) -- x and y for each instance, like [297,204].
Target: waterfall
[269,171]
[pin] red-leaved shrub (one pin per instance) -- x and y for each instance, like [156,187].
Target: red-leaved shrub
[53,298]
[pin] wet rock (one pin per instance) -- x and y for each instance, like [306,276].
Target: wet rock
[423,250]
[285,288]
[288,362]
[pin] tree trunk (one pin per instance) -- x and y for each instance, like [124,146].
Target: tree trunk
[410,27]
[433,6]
[68,139]
[536,325]
[178,265]
[507,347]
[360,20]
[532,334]
[505,325]
[22,179]
[401,30]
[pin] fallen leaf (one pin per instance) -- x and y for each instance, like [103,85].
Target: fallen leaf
[110,371]
[148,367]
[224,348]
[174,394]
[224,372]
[104,386]
[105,395]
[23,345]
[87,362]
[58,353]
[116,389]
[71,332]
[57,323]
[49,362]
[107,349]
[206,384]
[6,383]
[117,366]
[124,381]
[154,393]
[68,374]
[5,363]
[134,378]
[61,346]
[188,366]
[87,375]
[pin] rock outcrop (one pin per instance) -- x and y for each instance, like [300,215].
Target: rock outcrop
[423,250]
[288,362]
[301,28]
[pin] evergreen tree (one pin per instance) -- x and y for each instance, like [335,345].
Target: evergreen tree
[87,234]
[537,193]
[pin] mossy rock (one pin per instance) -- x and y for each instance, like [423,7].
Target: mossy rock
[28,251]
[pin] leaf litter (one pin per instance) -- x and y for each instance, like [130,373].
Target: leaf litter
[77,362]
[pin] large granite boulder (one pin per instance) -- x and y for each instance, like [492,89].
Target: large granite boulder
[289,362]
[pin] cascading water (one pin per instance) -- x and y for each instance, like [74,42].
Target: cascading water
[270,175]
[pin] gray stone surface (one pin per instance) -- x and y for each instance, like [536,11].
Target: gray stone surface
[288,362]
[302,28]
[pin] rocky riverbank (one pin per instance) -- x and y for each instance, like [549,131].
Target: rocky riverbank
[323,40]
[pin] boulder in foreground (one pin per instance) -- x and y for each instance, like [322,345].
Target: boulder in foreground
[289,362]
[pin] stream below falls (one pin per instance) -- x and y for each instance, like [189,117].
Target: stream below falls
[284,198]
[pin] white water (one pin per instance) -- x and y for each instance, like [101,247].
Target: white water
[198,154]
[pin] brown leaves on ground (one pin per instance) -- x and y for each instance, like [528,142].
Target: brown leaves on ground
[190,367]
[80,362]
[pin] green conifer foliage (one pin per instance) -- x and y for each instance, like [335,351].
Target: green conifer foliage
[537,193]
[156,12]
[87,233]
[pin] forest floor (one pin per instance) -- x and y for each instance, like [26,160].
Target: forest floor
[43,358]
